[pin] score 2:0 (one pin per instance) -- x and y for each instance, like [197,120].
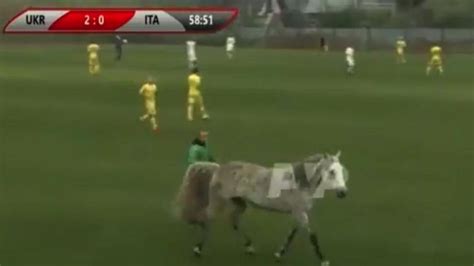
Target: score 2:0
[100,20]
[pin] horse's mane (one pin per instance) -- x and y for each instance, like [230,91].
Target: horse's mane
[299,170]
[314,158]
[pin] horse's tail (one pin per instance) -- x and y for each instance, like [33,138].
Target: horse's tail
[193,195]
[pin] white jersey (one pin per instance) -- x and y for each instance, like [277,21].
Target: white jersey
[230,44]
[191,49]
[350,56]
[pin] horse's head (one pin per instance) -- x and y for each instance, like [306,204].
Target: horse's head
[334,175]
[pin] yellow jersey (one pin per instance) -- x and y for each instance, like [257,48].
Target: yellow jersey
[93,50]
[401,44]
[194,82]
[435,51]
[148,91]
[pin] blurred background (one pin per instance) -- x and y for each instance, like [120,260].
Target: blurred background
[363,24]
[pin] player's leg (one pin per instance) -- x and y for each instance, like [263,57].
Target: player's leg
[428,67]
[91,66]
[202,108]
[439,66]
[119,53]
[190,109]
[94,66]
[402,57]
[97,68]
[350,66]
[151,112]
[153,122]
[146,115]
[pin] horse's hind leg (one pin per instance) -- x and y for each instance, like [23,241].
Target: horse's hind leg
[197,250]
[239,208]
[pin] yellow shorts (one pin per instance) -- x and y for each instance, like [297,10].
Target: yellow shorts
[399,51]
[435,61]
[150,108]
[93,61]
[195,99]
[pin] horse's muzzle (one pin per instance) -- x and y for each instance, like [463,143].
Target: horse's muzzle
[341,194]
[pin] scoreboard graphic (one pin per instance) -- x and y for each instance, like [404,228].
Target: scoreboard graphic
[121,20]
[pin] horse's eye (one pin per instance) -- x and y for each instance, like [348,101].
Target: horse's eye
[332,174]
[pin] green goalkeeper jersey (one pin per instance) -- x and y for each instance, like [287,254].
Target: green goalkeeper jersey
[199,152]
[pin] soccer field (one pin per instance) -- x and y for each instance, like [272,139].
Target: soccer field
[83,182]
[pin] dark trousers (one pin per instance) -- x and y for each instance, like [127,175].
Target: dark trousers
[118,51]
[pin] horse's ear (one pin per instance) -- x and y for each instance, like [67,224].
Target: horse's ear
[338,154]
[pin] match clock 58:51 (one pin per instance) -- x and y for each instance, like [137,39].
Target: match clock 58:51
[201,20]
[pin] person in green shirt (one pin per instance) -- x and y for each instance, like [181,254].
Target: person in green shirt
[199,151]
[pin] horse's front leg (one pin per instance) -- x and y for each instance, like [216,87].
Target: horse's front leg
[239,208]
[287,243]
[197,250]
[303,220]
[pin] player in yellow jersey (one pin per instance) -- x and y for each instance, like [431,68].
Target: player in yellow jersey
[194,95]
[435,60]
[400,46]
[148,91]
[94,63]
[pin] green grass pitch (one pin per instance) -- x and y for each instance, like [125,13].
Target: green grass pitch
[83,182]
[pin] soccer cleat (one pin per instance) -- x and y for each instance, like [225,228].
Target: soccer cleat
[197,251]
[277,256]
[157,130]
[249,250]
[205,117]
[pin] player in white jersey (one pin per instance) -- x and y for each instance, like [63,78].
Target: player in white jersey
[350,60]
[191,50]
[230,46]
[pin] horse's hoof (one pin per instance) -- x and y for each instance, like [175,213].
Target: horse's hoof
[197,251]
[277,256]
[325,263]
[249,250]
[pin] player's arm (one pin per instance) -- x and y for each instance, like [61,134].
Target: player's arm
[142,90]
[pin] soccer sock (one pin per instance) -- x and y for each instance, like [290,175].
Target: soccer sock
[190,112]
[428,70]
[204,113]
[143,117]
[154,124]
[440,68]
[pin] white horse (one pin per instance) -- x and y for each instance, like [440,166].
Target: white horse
[208,188]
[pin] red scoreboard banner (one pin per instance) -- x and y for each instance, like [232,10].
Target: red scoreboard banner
[121,20]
